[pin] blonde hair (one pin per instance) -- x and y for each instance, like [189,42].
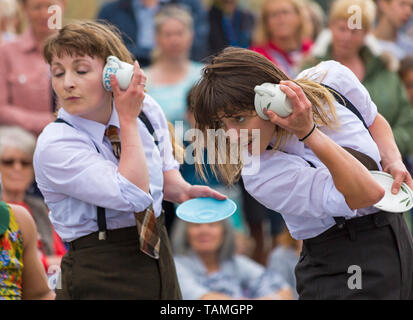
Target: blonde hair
[340,10]
[262,34]
[226,89]
[171,12]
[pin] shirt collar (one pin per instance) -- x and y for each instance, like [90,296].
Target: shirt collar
[94,129]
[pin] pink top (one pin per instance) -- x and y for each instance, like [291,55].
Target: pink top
[25,89]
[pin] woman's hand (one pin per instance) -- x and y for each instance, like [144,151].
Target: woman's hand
[195,191]
[129,102]
[400,174]
[176,189]
[300,121]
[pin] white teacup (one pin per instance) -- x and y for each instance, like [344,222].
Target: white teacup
[122,70]
[269,95]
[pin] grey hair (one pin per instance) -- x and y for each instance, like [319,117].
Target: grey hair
[180,244]
[174,12]
[171,11]
[18,138]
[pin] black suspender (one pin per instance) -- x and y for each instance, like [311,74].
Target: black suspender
[149,126]
[101,212]
[347,103]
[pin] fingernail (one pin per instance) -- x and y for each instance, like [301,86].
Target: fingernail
[394,190]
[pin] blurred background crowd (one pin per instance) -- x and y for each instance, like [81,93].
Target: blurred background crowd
[252,254]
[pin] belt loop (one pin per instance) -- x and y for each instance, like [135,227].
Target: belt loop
[340,221]
[101,215]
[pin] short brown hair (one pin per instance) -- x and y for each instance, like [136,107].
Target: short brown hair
[95,39]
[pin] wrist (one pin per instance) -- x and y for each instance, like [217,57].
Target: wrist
[304,136]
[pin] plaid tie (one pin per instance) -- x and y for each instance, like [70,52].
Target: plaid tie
[145,221]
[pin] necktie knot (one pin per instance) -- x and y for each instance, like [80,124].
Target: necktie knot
[112,132]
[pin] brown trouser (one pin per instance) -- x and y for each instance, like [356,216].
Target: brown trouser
[115,268]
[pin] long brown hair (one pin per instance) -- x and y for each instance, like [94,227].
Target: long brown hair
[226,89]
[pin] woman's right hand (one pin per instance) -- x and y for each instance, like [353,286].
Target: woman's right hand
[129,102]
[300,121]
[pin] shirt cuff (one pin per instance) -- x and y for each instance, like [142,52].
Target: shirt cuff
[138,199]
[171,165]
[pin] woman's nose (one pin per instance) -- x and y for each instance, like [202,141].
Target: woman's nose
[68,81]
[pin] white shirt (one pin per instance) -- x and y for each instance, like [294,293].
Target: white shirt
[74,178]
[286,183]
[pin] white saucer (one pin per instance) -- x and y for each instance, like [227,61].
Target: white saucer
[400,202]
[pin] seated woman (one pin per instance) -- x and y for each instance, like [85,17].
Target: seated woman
[21,272]
[208,267]
[16,156]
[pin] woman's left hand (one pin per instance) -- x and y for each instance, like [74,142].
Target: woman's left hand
[300,121]
[176,189]
[197,191]
[400,174]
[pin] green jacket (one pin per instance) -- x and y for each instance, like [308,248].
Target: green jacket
[388,93]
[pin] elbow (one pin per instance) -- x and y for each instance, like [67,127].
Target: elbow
[370,198]
[378,195]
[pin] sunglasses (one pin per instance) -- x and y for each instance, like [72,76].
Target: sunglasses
[11,162]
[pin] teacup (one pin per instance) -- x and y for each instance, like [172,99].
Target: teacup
[269,96]
[122,70]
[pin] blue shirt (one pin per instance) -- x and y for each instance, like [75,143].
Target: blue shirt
[239,277]
[74,178]
[144,16]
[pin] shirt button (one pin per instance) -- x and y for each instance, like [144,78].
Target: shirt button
[22,78]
